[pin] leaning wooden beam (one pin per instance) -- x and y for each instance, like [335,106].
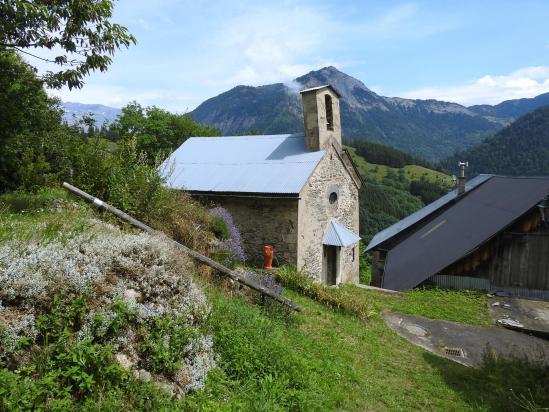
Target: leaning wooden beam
[199,257]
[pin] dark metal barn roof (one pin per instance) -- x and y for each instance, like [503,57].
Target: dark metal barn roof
[409,221]
[474,218]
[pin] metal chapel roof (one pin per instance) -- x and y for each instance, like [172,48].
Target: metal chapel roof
[274,164]
[339,235]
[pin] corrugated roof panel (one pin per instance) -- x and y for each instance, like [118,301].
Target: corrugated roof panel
[460,229]
[277,164]
[415,217]
[339,235]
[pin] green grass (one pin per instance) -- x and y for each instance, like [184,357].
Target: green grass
[411,172]
[322,359]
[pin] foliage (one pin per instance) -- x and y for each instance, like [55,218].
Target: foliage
[165,343]
[229,248]
[157,132]
[522,148]
[27,116]
[333,298]
[427,191]
[63,371]
[382,204]
[80,30]
[113,281]
[385,155]
[220,228]
[390,194]
[365,265]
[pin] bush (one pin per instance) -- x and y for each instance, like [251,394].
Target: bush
[229,248]
[220,228]
[112,284]
[332,297]
[19,201]
[166,342]
[365,265]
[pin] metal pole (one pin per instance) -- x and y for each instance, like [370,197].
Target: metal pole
[198,256]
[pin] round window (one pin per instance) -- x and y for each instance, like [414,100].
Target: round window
[332,198]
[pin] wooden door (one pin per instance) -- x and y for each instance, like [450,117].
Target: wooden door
[331,264]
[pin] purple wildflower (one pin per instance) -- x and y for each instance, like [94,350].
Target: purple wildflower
[233,245]
[264,280]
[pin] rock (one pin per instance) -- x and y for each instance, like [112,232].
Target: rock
[144,375]
[496,304]
[124,360]
[167,387]
[132,295]
[510,322]
[182,377]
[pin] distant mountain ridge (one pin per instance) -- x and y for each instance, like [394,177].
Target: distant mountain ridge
[512,109]
[427,128]
[100,112]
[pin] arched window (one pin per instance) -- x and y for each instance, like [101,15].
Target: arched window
[329,112]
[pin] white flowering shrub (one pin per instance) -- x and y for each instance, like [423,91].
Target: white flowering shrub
[107,266]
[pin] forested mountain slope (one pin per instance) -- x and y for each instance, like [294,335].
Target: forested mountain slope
[522,148]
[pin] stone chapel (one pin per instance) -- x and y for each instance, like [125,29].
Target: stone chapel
[297,192]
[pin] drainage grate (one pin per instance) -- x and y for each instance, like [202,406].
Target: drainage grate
[454,352]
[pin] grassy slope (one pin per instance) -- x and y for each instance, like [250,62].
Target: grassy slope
[411,172]
[318,359]
[345,363]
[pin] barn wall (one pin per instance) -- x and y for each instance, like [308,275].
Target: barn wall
[378,264]
[315,212]
[521,260]
[263,221]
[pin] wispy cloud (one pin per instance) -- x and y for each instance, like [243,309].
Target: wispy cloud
[189,51]
[490,89]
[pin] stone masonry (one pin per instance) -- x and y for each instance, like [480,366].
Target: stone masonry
[315,212]
[264,221]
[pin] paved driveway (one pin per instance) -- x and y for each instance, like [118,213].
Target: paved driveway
[466,344]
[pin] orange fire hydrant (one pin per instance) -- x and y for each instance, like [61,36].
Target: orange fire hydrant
[267,257]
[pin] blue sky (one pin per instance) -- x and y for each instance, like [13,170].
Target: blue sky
[470,52]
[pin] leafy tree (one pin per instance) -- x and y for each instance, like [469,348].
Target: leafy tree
[427,191]
[384,155]
[81,29]
[157,131]
[27,116]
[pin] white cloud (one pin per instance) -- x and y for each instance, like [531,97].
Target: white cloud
[189,52]
[490,89]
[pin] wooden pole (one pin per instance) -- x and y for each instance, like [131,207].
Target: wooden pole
[198,256]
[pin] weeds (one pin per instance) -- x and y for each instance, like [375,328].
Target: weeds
[334,298]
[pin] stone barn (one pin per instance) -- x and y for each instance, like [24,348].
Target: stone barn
[297,192]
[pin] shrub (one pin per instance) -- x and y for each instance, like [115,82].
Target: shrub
[166,342]
[220,228]
[111,284]
[19,201]
[229,249]
[365,265]
[334,298]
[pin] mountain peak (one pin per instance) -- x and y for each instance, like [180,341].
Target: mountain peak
[347,85]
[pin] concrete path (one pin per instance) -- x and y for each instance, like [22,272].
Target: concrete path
[522,314]
[466,344]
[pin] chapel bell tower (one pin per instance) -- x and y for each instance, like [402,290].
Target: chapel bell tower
[321,117]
